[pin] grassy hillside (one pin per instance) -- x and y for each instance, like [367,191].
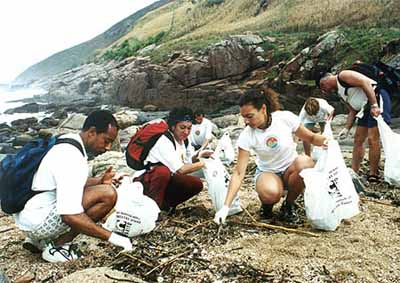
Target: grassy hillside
[191,25]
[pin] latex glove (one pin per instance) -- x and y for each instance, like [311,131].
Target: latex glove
[344,133]
[205,153]
[121,241]
[221,215]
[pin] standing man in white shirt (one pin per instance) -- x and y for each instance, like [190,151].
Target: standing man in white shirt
[315,111]
[364,100]
[201,133]
[70,203]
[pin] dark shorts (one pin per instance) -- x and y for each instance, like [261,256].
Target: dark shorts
[312,126]
[368,121]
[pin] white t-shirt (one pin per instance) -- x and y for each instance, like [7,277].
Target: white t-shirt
[174,158]
[62,173]
[274,147]
[201,132]
[324,110]
[356,96]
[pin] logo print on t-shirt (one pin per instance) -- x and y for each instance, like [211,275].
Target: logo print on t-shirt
[272,142]
[197,132]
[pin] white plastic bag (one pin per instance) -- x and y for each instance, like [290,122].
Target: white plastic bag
[329,195]
[225,150]
[135,213]
[391,147]
[218,180]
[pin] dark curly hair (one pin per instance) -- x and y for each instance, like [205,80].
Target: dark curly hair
[101,120]
[179,114]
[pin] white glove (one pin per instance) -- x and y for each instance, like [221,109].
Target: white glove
[205,153]
[343,133]
[121,241]
[221,215]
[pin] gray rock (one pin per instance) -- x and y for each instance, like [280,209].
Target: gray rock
[100,275]
[74,121]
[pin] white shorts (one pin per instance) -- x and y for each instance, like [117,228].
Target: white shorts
[51,228]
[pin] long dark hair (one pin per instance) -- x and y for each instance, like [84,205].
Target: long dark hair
[258,97]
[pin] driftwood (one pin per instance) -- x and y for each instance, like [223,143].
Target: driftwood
[167,262]
[7,229]
[377,201]
[255,223]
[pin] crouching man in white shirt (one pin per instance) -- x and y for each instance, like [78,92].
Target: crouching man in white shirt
[70,203]
[315,111]
[201,133]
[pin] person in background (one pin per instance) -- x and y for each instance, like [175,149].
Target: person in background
[70,203]
[364,100]
[315,111]
[167,181]
[269,133]
[201,133]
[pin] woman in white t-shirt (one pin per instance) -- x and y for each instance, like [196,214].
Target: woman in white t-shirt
[315,111]
[269,133]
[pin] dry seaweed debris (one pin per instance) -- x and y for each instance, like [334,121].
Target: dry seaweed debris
[177,252]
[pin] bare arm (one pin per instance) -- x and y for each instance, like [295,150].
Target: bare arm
[204,145]
[106,178]
[191,167]
[84,224]
[351,116]
[237,176]
[306,135]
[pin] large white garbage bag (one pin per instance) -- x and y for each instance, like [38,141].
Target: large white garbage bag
[218,180]
[135,213]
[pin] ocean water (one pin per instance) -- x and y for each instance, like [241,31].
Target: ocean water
[10,99]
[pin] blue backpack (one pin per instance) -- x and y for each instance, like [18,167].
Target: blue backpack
[17,171]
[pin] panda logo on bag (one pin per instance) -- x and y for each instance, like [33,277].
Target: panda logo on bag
[123,227]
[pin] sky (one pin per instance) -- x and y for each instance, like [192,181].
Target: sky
[32,30]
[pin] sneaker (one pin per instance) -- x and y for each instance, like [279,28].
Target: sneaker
[266,211]
[288,213]
[34,246]
[64,253]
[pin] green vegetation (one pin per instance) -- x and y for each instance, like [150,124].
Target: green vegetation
[189,46]
[214,2]
[131,47]
[365,44]
[190,26]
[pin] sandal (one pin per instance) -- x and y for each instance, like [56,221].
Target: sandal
[373,179]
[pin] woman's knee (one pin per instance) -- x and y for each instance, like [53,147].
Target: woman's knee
[301,162]
[196,185]
[161,172]
[269,188]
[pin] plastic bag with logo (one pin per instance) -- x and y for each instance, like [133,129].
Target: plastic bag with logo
[135,213]
[225,150]
[390,141]
[218,180]
[329,195]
